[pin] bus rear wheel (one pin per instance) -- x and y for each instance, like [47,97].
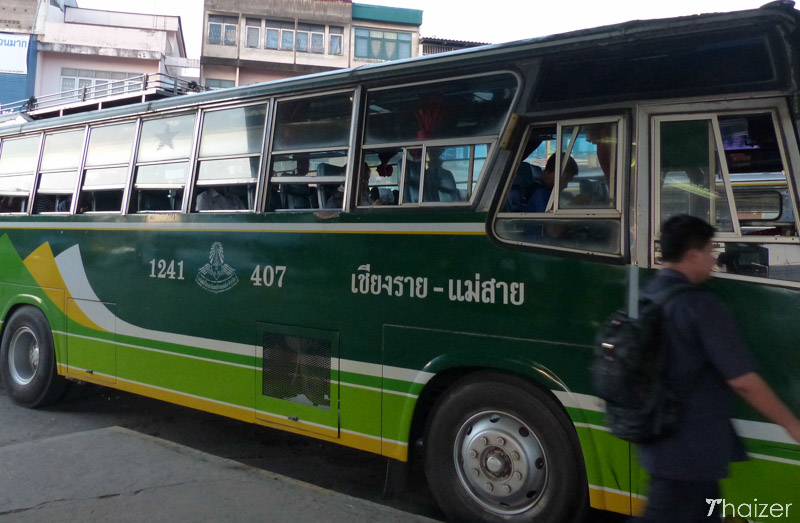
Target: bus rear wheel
[28,359]
[499,449]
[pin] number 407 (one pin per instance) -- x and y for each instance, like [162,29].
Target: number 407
[268,275]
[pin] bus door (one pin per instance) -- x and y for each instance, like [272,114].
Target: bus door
[734,164]
[297,384]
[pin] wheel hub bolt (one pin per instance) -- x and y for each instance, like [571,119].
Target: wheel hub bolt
[515,455]
[507,489]
[518,475]
[473,454]
[476,472]
[489,487]
[501,441]
[484,440]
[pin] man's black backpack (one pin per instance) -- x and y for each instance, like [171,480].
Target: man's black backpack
[628,371]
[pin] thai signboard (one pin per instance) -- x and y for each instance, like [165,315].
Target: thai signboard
[14,53]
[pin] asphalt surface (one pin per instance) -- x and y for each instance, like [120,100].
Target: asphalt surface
[101,455]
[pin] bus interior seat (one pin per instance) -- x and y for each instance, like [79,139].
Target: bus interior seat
[296,196]
[521,187]
[448,192]
[327,190]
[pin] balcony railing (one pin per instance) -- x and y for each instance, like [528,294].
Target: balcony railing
[159,84]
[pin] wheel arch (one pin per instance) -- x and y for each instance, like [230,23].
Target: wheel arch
[31,300]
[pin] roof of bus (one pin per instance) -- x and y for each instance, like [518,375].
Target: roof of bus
[779,13]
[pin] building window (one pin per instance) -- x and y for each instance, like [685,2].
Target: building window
[335,42]
[382,45]
[222,30]
[310,38]
[280,35]
[253,32]
[213,83]
[97,83]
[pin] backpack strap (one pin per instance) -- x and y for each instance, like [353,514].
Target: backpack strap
[662,296]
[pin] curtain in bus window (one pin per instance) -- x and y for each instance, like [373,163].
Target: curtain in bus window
[691,175]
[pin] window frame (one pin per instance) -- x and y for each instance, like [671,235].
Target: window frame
[492,141]
[125,186]
[617,213]
[346,178]
[191,161]
[78,168]
[645,250]
[190,193]
[34,173]
[224,22]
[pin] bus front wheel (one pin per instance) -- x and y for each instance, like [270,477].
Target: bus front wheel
[28,359]
[498,448]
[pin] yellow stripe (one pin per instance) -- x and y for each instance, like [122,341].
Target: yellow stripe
[357,441]
[42,266]
[612,501]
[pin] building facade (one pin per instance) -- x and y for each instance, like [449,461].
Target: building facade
[247,41]
[17,49]
[54,46]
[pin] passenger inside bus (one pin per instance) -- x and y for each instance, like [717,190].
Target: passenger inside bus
[219,198]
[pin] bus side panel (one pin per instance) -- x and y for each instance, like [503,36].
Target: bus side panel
[604,456]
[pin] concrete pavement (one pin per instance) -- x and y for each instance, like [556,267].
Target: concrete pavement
[115,474]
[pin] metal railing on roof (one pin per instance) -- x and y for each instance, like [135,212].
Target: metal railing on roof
[133,87]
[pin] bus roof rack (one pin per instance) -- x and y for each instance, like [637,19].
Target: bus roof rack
[142,88]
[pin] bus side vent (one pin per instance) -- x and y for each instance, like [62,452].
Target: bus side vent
[297,369]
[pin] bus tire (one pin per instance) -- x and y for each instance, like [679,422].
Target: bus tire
[498,448]
[28,360]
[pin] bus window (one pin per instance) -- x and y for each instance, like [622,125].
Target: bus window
[427,144]
[18,159]
[310,152]
[229,159]
[162,164]
[729,171]
[106,168]
[58,172]
[565,190]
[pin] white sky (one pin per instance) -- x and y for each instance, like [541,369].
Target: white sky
[490,21]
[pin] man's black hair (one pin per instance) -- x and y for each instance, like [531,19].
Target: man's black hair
[570,169]
[682,233]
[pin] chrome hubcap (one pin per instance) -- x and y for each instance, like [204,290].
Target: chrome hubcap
[500,462]
[23,356]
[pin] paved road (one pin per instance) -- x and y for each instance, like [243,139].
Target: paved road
[38,446]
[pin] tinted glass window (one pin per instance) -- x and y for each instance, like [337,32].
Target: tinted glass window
[457,109]
[233,131]
[310,123]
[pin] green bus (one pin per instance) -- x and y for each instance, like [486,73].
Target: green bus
[377,257]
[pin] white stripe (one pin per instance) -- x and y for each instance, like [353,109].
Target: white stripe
[402,374]
[745,428]
[774,458]
[361,367]
[70,265]
[580,401]
[762,431]
[432,228]
[590,426]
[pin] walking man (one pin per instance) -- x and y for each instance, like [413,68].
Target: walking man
[707,359]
